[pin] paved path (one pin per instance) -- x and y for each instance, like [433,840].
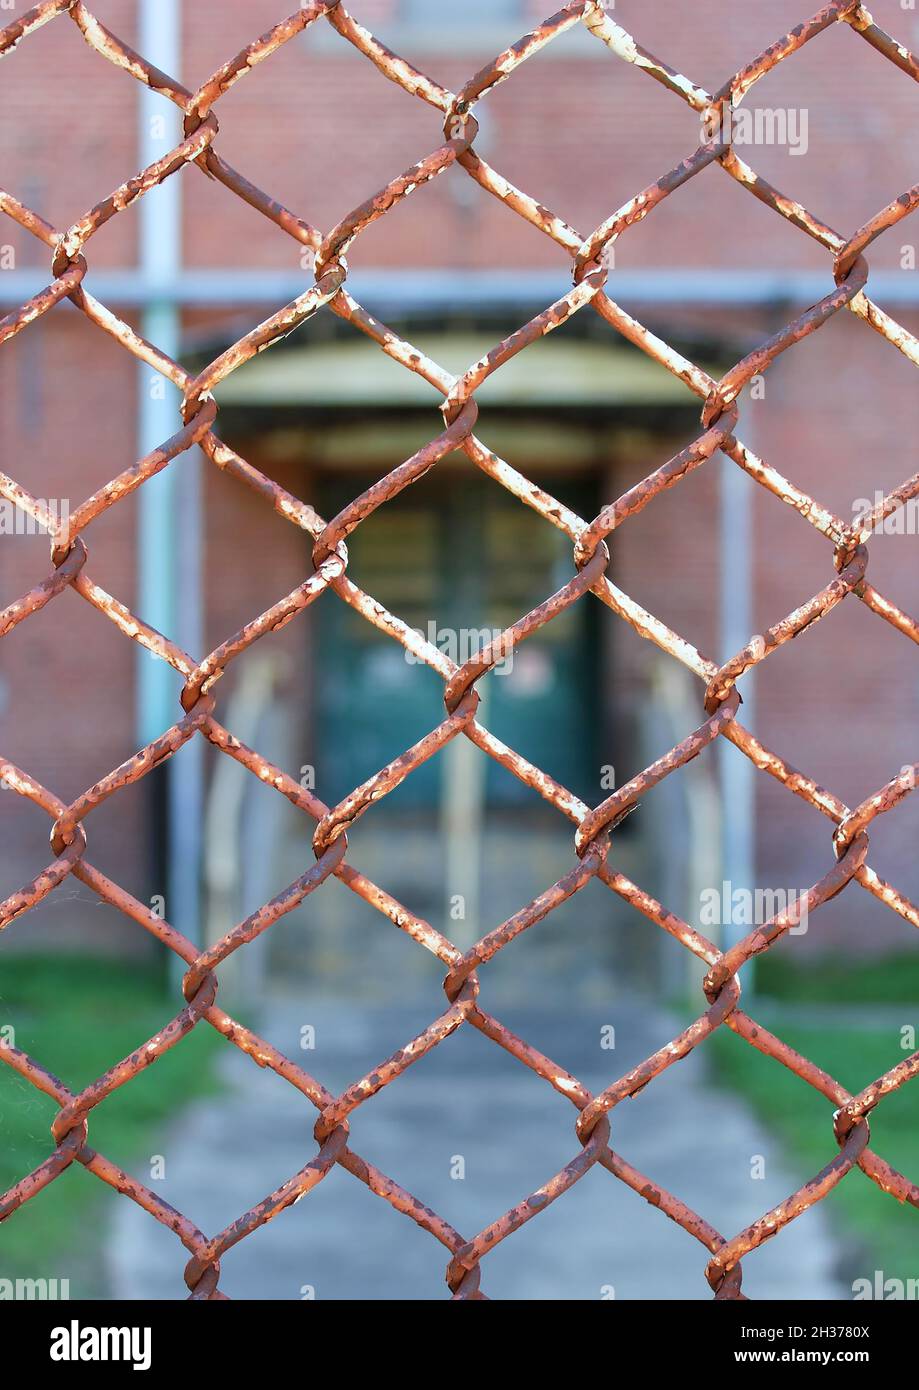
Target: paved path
[469,1098]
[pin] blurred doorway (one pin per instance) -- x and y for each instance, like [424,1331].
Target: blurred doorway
[460,560]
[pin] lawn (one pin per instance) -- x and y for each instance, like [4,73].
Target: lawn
[855,1044]
[892,979]
[77,1017]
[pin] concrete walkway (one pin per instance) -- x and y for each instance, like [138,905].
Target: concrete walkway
[471,1100]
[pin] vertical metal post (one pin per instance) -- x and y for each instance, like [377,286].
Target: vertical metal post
[736,773]
[169,567]
[462,821]
[463,789]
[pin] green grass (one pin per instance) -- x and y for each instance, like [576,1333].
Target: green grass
[892,979]
[78,1016]
[879,1232]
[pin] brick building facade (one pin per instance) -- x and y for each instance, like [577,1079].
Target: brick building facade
[712,270]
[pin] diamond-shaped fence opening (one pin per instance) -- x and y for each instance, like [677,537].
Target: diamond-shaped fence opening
[593,828]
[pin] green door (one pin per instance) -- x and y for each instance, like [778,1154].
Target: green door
[460,559]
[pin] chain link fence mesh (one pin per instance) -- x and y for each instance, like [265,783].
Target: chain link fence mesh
[594,826]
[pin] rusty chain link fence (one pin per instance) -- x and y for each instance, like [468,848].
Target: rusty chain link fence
[593,852]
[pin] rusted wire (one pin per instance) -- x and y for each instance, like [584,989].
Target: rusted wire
[594,845]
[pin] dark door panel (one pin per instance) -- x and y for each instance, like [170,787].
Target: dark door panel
[460,560]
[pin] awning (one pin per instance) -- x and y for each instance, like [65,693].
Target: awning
[551,372]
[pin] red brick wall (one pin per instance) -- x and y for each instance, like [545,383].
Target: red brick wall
[320,129]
